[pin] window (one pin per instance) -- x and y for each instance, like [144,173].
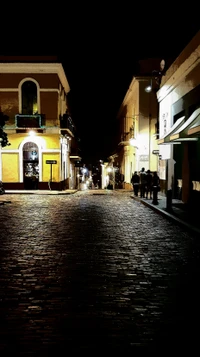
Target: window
[30,152]
[29,98]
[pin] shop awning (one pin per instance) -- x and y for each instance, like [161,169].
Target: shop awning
[182,134]
[176,126]
[195,128]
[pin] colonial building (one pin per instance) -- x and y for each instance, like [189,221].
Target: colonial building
[179,122]
[43,145]
[137,123]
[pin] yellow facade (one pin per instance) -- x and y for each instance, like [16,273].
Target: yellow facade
[39,128]
[46,172]
[137,140]
[10,167]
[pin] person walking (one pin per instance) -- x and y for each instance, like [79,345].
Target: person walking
[155,187]
[135,180]
[149,184]
[142,182]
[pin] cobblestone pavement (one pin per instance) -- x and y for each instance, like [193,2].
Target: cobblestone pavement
[95,273]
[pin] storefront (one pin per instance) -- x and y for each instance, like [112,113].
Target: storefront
[179,121]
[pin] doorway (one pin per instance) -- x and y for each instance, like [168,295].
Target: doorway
[30,166]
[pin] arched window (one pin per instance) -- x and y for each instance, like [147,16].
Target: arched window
[30,152]
[29,98]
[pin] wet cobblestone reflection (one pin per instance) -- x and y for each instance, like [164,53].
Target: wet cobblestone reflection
[94,272]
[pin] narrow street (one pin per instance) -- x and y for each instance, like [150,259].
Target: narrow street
[95,272]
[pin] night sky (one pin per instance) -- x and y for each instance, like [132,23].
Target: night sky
[99,46]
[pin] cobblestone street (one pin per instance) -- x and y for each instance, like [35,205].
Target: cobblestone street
[91,272]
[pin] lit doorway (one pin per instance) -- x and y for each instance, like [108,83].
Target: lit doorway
[30,166]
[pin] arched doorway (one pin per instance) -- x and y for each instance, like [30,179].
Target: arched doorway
[30,166]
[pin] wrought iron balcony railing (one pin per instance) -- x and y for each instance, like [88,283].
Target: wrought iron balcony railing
[75,154]
[29,121]
[125,138]
[66,123]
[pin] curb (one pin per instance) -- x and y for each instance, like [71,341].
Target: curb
[3,202]
[168,215]
[40,192]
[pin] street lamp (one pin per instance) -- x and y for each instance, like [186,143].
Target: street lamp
[157,75]
[153,87]
[111,177]
[132,140]
[131,133]
[148,89]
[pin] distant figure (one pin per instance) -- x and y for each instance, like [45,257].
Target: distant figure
[155,187]
[142,182]
[149,184]
[135,180]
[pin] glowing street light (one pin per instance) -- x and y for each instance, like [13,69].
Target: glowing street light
[111,178]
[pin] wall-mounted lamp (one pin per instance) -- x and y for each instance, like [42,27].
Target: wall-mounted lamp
[132,139]
[31,133]
[157,75]
[133,142]
[148,88]
[67,137]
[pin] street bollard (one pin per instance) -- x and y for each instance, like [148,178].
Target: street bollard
[169,200]
[155,195]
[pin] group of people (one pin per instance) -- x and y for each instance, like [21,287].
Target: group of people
[146,183]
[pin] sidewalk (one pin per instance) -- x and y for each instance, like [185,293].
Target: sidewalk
[3,199]
[178,213]
[39,192]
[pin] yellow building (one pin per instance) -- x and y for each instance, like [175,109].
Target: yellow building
[43,147]
[137,122]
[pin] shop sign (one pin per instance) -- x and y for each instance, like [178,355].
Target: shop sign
[51,161]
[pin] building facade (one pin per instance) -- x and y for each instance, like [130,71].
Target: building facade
[137,123]
[179,122]
[43,146]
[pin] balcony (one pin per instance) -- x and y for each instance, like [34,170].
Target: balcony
[36,121]
[75,151]
[125,139]
[127,136]
[66,125]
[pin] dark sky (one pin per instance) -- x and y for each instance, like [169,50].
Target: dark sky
[101,62]
[99,46]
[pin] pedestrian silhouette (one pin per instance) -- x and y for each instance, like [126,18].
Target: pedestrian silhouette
[149,184]
[142,182]
[135,180]
[155,187]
